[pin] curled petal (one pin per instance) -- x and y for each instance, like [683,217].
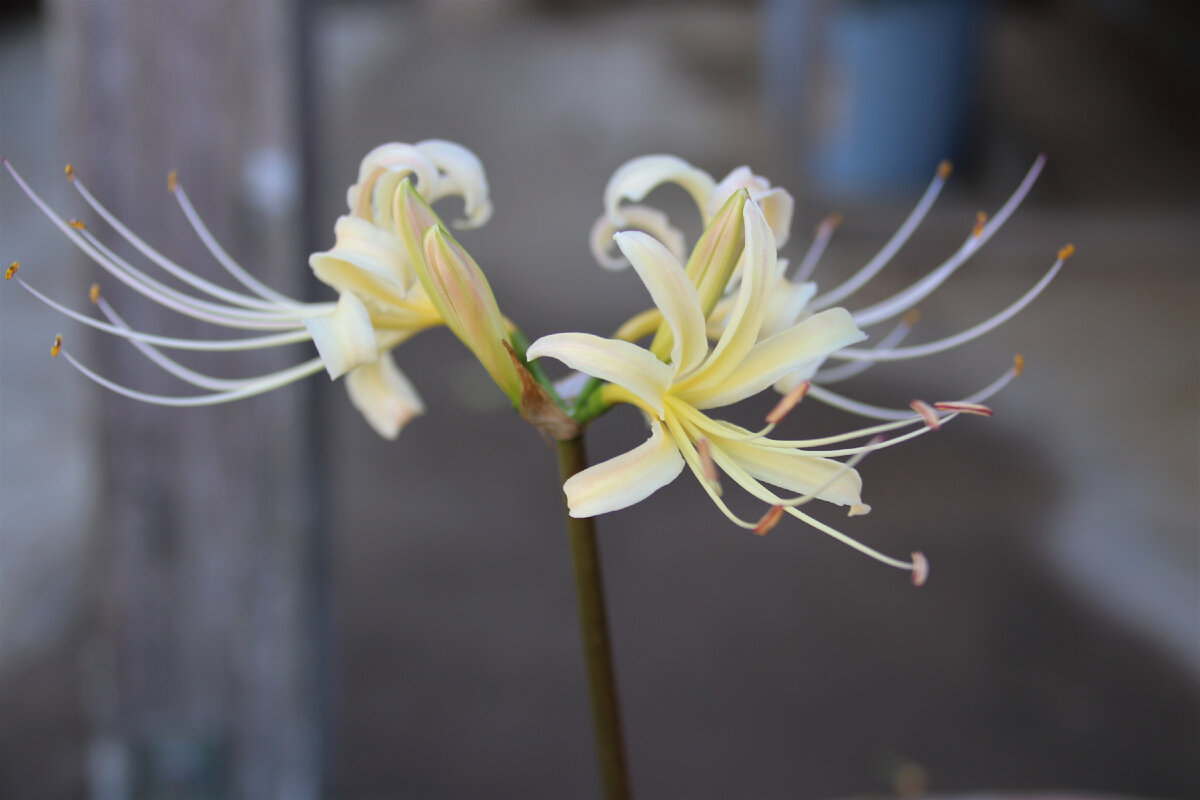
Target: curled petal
[635,179]
[379,173]
[807,343]
[672,293]
[463,175]
[777,205]
[625,479]
[344,337]
[384,395]
[627,365]
[642,218]
[366,260]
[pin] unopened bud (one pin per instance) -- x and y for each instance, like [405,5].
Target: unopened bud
[461,294]
[712,262]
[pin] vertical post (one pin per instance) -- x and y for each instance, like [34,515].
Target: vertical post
[203,584]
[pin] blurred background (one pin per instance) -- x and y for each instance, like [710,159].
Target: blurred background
[265,600]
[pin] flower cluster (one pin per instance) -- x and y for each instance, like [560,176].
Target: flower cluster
[728,322]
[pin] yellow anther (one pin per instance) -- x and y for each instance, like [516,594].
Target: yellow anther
[70,172]
[94,293]
[912,317]
[1066,252]
[1018,364]
[77,224]
[858,510]
[172,181]
[944,170]
[769,520]
[831,221]
[12,270]
[56,348]
[980,221]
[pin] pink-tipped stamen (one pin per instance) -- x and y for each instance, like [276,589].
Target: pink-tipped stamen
[707,466]
[927,413]
[769,520]
[920,568]
[788,402]
[965,408]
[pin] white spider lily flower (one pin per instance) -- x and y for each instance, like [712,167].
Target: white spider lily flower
[635,179]
[675,390]
[380,301]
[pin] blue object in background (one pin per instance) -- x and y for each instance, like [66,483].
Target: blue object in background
[878,91]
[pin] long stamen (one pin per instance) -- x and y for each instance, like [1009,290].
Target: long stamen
[251,343]
[821,237]
[730,432]
[692,459]
[940,345]
[899,238]
[72,233]
[852,368]
[229,316]
[268,384]
[904,300]
[911,566]
[172,366]
[879,442]
[879,412]
[218,252]
[787,403]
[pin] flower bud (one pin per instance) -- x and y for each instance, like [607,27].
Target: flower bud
[460,292]
[712,262]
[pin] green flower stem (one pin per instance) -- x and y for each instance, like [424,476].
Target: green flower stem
[602,680]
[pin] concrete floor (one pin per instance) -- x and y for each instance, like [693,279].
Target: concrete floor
[1057,645]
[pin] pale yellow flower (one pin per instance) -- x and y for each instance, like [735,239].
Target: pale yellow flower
[677,390]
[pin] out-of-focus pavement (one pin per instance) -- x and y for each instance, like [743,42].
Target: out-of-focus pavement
[1058,641]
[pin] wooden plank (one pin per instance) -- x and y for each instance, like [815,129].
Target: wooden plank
[203,591]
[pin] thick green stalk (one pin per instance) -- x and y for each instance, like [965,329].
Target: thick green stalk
[593,621]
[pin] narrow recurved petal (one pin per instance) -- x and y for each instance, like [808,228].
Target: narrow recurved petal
[462,175]
[673,294]
[625,479]
[799,348]
[622,363]
[384,396]
[460,292]
[379,173]
[344,338]
[827,479]
[367,260]
[635,179]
